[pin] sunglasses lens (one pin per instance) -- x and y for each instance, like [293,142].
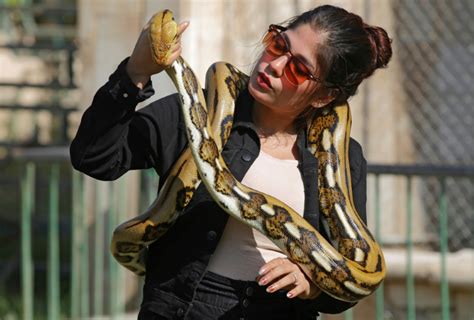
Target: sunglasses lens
[275,44]
[298,70]
[295,71]
[290,75]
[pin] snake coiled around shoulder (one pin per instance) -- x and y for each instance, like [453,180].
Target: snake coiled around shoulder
[349,268]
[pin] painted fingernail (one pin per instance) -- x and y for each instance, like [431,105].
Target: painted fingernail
[270,289]
[261,271]
[289,295]
[262,282]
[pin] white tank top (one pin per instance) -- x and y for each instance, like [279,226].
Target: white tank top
[242,250]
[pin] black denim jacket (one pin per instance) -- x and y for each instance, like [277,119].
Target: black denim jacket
[114,138]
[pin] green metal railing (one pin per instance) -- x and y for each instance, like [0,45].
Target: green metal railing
[409,172]
[96,287]
[379,297]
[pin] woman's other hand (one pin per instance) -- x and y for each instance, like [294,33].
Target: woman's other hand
[281,273]
[141,65]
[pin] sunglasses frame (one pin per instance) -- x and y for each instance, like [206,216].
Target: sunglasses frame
[277,30]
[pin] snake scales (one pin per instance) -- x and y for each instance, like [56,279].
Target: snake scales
[349,268]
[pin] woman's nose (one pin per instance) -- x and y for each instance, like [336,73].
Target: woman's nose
[278,65]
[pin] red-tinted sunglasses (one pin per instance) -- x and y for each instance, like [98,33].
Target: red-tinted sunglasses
[275,45]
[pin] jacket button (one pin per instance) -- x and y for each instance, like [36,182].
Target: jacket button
[180,312]
[211,235]
[249,291]
[245,303]
[246,157]
[194,276]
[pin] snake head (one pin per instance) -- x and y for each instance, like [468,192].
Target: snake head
[163,35]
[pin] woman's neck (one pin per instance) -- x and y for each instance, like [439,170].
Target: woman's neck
[271,123]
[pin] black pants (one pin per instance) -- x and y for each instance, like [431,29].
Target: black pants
[218,297]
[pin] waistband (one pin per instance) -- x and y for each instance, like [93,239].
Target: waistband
[244,288]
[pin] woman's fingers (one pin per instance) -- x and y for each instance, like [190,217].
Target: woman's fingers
[287,280]
[173,56]
[274,272]
[176,48]
[302,287]
[142,64]
[182,27]
[280,274]
[272,264]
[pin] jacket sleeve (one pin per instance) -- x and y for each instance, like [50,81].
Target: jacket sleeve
[358,165]
[113,138]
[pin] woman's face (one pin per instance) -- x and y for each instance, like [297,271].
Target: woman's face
[270,87]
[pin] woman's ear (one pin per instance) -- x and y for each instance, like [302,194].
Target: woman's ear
[321,102]
[325,99]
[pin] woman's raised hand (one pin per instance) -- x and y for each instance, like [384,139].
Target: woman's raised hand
[141,65]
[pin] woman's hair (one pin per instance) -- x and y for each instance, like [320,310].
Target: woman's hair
[348,50]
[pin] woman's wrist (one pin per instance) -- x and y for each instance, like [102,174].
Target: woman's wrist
[140,79]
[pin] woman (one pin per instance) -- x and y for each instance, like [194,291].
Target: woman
[210,266]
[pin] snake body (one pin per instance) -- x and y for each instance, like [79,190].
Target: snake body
[131,239]
[349,268]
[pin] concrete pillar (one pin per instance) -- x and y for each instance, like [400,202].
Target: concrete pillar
[107,34]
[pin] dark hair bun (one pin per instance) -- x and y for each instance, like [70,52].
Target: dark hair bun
[381,47]
[351,51]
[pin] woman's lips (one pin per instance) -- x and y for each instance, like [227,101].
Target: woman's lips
[263,81]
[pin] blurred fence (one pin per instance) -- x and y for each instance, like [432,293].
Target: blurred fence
[39,84]
[435,41]
[66,270]
[82,279]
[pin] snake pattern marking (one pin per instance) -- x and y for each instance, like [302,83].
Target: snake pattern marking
[349,268]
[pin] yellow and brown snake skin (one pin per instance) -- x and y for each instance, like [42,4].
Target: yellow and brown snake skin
[349,269]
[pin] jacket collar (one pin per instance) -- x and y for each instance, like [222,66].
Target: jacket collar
[243,111]
[243,118]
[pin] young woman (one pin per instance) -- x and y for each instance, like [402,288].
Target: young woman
[210,266]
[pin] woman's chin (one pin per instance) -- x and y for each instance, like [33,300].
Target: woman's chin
[259,95]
